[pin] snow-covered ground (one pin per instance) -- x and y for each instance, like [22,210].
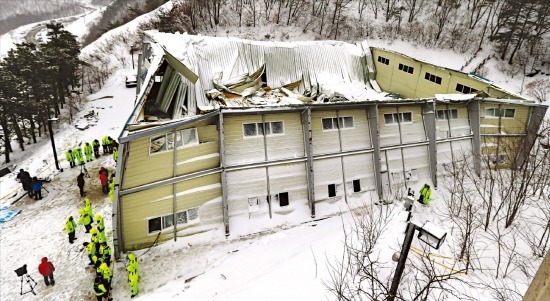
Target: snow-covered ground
[261,263]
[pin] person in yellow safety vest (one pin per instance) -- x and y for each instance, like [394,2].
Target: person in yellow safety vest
[77,152]
[112,189]
[115,153]
[100,228]
[70,227]
[99,288]
[95,235]
[88,152]
[88,207]
[105,142]
[95,146]
[70,157]
[133,260]
[85,219]
[133,282]
[105,253]
[92,249]
[107,274]
[425,193]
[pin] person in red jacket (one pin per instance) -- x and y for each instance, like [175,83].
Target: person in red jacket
[46,268]
[103,178]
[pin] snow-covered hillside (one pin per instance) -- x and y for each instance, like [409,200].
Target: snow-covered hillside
[285,263]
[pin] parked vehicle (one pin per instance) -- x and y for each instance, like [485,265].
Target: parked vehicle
[131,81]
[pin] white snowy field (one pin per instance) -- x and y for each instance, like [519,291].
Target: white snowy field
[257,262]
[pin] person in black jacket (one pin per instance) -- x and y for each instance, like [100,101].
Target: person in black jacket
[26,181]
[80,183]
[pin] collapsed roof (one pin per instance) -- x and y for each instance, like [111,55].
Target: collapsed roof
[198,74]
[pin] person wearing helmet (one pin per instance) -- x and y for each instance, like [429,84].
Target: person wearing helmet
[88,152]
[88,207]
[91,249]
[95,146]
[95,237]
[70,227]
[100,228]
[105,253]
[85,219]
[70,157]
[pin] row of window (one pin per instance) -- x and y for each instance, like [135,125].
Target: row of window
[406,68]
[189,137]
[257,129]
[190,216]
[496,112]
[428,76]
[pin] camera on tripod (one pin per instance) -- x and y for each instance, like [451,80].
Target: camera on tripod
[22,272]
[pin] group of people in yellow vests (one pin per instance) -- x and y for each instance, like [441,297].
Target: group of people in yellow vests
[110,146]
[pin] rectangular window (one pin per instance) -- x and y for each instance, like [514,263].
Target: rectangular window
[283,199]
[433,78]
[331,190]
[165,142]
[258,129]
[509,113]
[406,68]
[333,123]
[495,112]
[383,60]
[394,118]
[167,221]
[155,225]
[356,185]
[464,89]
[447,114]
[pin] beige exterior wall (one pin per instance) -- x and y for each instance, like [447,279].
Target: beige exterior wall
[516,125]
[243,150]
[328,171]
[139,207]
[143,168]
[414,85]
[410,132]
[327,141]
[243,186]
[324,142]
[447,128]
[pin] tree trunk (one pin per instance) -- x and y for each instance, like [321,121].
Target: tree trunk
[18,133]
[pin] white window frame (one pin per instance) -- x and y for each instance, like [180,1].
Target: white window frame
[446,113]
[170,146]
[396,116]
[163,219]
[258,125]
[496,113]
[337,122]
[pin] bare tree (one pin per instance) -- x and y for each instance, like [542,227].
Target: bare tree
[539,89]
[414,7]
[356,275]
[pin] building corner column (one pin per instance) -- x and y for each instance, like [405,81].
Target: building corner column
[372,116]
[223,174]
[475,125]
[430,126]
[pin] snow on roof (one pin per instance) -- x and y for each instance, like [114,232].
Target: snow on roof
[451,97]
[333,68]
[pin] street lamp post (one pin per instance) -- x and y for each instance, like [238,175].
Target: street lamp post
[428,233]
[53,141]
